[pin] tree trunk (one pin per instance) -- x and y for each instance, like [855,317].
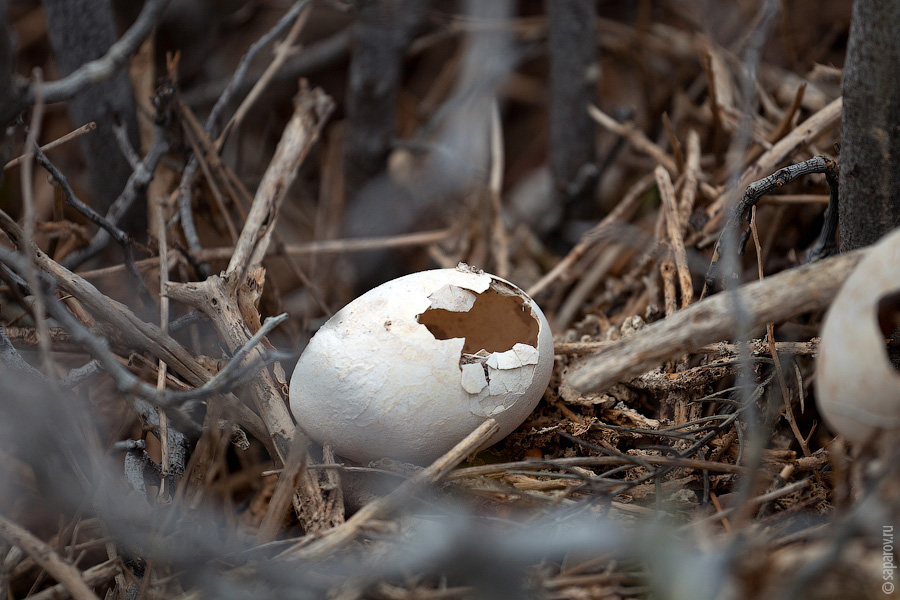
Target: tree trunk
[7,59]
[7,85]
[870,131]
[81,31]
[383,32]
[573,79]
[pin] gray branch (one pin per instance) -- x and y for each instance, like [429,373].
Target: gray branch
[231,375]
[106,66]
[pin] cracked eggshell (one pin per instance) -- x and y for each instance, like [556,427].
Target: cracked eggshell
[857,387]
[411,367]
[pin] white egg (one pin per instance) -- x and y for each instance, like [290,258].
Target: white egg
[411,367]
[857,387]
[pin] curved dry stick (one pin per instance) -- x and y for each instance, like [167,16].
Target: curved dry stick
[752,195]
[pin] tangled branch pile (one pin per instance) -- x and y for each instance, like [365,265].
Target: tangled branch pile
[146,447]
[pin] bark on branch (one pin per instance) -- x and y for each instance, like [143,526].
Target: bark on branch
[230,299]
[870,131]
[776,298]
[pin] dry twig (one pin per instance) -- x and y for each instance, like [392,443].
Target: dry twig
[778,297]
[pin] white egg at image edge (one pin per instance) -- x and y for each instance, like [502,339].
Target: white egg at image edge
[411,367]
[857,386]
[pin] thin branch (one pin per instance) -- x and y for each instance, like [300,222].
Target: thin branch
[75,202]
[177,450]
[108,228]
[623,211]
[58,567]
[335,538]
[55,143]
[315,57]
[754,347]
[212,122]
[30,274]
[340,246]
[185,213]
[128,151]
[227,374]
[673,228]
[770,337]
[594,461]
[288,481]
[298,14]
[137,183]
[636,138]
[499,238]
[312,109]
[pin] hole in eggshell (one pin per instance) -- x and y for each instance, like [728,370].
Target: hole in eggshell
[888,307]
[496,322]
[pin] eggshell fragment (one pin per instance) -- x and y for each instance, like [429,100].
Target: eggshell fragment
[857,387]
[410,368]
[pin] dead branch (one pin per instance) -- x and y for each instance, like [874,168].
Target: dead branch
[293,16]
[673,229]
[312,109]
[61,570]
[592,461]
[337,537]
[213,122]
[636,138]
[72,135]
[776,298]
[137,183]
[132,329]
[298,15]
[316,56]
